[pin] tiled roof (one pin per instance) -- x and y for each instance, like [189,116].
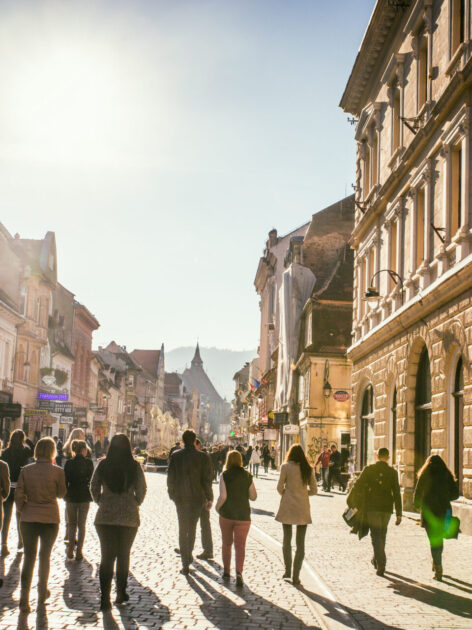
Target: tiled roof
[147,359]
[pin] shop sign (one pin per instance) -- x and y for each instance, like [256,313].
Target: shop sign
[341,395]
[46,404]
[80,412]
[10,410]
[280,417]
[67,419]
[63,408]
[29,411]
[270,434]
[47,396]
[291,429]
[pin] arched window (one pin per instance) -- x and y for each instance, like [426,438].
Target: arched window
[422,411]
[367,428]
[393,427]
[458,395]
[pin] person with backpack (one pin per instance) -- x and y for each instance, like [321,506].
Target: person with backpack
[380,491]
[435,490]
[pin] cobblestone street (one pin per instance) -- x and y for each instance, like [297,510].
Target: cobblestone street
[161,597]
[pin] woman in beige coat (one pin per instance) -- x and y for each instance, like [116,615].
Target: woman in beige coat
[296,483]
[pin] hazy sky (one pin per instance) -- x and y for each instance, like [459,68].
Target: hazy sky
[162,140]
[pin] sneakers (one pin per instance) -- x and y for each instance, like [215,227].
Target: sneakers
[239,580]
[205,555]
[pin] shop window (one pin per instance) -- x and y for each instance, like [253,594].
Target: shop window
[367,428]
[422,411]
[458,396]
[456,189]
[422,74]
[420,215]
[457,24]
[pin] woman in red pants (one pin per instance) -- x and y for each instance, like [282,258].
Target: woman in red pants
[236,489]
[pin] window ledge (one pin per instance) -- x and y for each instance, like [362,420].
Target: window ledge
[454,59]
[372,193]
[395,155]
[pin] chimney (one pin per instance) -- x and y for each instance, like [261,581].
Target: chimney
[272,238]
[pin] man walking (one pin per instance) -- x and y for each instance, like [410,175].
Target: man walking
[323,459]
[205,527]
[335,469]
[189,486]
[379,483]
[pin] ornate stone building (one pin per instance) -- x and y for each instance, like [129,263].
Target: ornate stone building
[410,95]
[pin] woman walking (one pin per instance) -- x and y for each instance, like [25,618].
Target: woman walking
[16,455]
[296,483]
[255,462]
[39,486]
[78,472]
[236,489]
[119,488]
[435,490]
[75,434]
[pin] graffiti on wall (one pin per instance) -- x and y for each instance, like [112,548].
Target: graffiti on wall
[316,445]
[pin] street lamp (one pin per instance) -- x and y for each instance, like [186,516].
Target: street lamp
[327,389]
[372,294]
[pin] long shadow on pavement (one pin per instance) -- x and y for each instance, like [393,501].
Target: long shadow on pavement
[136,615]
[337,615]
[10,582]
[262,512]
[81,592]
[223,612]
[455,604]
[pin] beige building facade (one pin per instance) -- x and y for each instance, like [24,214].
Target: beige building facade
[410,93]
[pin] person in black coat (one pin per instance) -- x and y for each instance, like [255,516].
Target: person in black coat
[435,489]
[378,490]
[16,455]
[78,472]
[189,484]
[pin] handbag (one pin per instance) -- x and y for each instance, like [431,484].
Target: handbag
[452,525]
[350,516]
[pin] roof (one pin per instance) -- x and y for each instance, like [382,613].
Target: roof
[148,360]
[197,359]
[86,315]
[195,377]
[338,284]
[172,382]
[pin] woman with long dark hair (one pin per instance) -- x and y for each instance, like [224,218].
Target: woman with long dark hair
[16,455]
[119,488]
[296,483]
[436,488]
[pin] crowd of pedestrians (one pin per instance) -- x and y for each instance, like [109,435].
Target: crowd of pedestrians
[32,479]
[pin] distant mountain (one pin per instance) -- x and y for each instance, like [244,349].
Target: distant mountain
[220,365]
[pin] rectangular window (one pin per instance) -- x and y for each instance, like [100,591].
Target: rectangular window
[364,284]
[23,300]
[371,269]
[422,75]
[396,121]
[457,24]
[420,213]
[393,246]
[38,311]
[456,190]
[375,153]
[308,331]
[367,171]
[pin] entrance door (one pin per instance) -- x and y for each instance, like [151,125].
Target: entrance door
[422,411]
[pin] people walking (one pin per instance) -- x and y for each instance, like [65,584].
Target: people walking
[323,459]
[435,489]
[78,472]
[236,490]
[377,490]
[176,447]
[75,434]
[16,455]
[118,487]
[189,484]
[273,455]
[255,462]
[335,469]
[266,458]
[296,484]
[39,486]
[4,486]
[205,526]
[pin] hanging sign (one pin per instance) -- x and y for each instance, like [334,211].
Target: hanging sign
[291,429]
[10,410]
[341,395]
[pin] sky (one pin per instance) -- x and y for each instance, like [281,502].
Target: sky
[161,141]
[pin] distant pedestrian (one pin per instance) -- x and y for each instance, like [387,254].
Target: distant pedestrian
[273,455]
[75,434]
[266,458]
[98,449]
[323,459]
[236,490]
[118,487]
[176,447]
[4,486]
[78,472]
[16,455]
[59,449]
[189,483]
[335,469]
[39,486]
[255,462]
[296,484]
[376,492]
[435,490]
[247,458]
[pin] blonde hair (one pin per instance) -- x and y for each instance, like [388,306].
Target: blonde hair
[45,449]
[233,460]
[75,434]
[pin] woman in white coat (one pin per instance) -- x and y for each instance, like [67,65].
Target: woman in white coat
[255,461]
[296,484]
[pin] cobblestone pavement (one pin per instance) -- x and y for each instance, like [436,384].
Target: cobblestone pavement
[159,596]
[407,597]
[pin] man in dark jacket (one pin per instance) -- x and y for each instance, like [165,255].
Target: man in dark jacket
[189,481]
[379,483]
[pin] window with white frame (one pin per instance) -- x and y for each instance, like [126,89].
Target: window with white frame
[309,329]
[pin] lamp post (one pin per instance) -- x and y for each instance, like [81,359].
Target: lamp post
[372,294]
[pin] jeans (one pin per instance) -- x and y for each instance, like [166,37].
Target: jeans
[233,531]
[76,521]
[325,478]
[115,544]
[299,553]
[207,541]
[378,523]
[335,475]
[188,515]
[7,514]
[255,469]
[47,534]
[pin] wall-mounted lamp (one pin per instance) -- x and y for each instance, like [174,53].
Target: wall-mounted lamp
[372,294]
